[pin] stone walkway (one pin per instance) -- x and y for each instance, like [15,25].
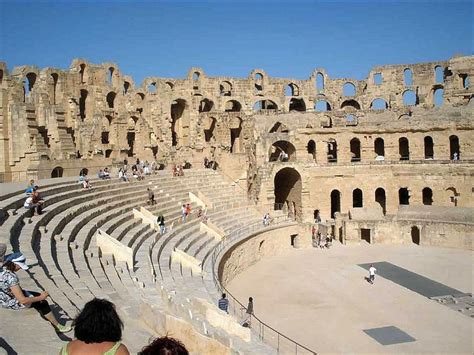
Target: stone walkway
[322,300]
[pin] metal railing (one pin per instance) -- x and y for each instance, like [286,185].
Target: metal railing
[266,333]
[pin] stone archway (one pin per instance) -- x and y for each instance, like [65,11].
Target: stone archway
[287,186]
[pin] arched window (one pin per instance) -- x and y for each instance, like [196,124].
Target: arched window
[311,147]
[379,104]
[465,81]
[126,86]
[232,106]
[151,88]
[111,99]
[335,202]
[319,82]
[82,104]
[265,105]
[408,77]
[349,89]
[206,105]
[454,151]
[351,104]
[381,199]
[427,196]
[429,151]
[110,76]
[379,147]
[378,78]
[322,106]
[404,149]
[415,235]
[225,88]
[82,73]
[403,196]
[439,74]
[332,151]
[357,198]
[291,90]
[29,83]
[355,150]
[410,98]
[196,76]
[438,97]
[297,105]
[57,172]
[258,77]
[55,78]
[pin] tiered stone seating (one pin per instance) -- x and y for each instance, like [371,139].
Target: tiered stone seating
[73,270]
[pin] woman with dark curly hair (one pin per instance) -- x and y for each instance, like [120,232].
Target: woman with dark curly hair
[164,346]
[98,330]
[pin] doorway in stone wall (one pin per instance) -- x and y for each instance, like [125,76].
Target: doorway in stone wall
[287,190]
[415,235]
[365,235]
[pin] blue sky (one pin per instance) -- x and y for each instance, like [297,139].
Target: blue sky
[230,38]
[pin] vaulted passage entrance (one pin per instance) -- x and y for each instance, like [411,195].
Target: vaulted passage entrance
[287,187]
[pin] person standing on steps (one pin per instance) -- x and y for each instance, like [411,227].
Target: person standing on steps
[161,223]
[223,303]
[247,322]
[372,271]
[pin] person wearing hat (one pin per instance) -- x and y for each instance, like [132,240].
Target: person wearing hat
[12,296]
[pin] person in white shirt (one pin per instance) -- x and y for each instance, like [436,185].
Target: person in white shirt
[372,271]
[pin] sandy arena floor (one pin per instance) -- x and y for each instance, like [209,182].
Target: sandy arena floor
[321,299]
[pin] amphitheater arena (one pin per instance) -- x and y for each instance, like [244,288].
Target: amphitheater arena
[384,165]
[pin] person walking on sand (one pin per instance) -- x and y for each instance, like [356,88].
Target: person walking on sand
[372,271]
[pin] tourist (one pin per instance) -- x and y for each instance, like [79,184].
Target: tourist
[322,242]
[30,188]
[12,296]
[98,330]
[161,222]
[188,209]
[86,184]
[223,303]
[151,197]
[37,200]
[122,175]
[164,346]
[455,156]
[372,271]
[106,173]
[248,314]
[183,213]
[31,207]
[206,163]
[266,219]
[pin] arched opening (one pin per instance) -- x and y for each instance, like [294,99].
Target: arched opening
[429,147]
[235,131]
[126,87]
[408,77]
[29,83]
[379,104]
[427,196]
[206,105]
[82,73]
[465,81]
[131,135]
[57,172]
[355,149]
[381,199]
[55,78]
[82,104]
[258,82]
[297,105]
[311,147]
[415,235]
[335,202]
[351,104]
[292,90]
[379,147]
[332,151]
[439,74]
[151,88]
[177,125]
[403,196]
[438,98]
[110,75]
[232,106]
[319,82]
[322,106]
[454,151]
[453,198]
[288,187]
[410,98]
[110,99]
[357,198]
[349,89]
[404,149]
[210,125]
[377,78]
[282,151]
[196,76]
[84,172]
[351,119]
[278,127]
[225,88]
[267,105]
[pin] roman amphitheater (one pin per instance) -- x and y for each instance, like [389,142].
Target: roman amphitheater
[383,165]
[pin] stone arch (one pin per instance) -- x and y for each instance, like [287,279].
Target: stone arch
[379,147]
[267,105]
[319,83]
[151,88]
[404,148]
[415,235]
[110,75]
[439,74]
[232,106]
[381,199]
[408,77]
[287,189]
[209,127]
[206,105]
[297,105]
[350,104]
[225,88]
[428,147]
[332,150]
[438,97]
[357,198]
[29,83]
[55,78]
[279,127]
[57,172]
[348,89]
[322,106]
[179,122]
[355,149]
[427,196]
[454,149]
[311,148]
[110,99]
[379,104]
[335,202]
[83,73]
[410,98]
[126,87]
[454,195]
[292,90]
[235,126]
[282,151]
[403,196]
